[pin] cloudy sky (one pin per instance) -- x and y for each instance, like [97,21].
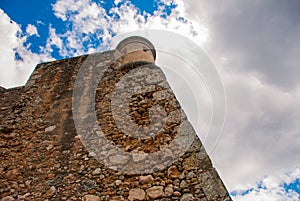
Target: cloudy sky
[254,45]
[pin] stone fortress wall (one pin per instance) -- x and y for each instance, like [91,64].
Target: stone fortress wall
[44,156]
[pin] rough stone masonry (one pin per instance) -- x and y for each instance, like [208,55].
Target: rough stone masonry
[133,142]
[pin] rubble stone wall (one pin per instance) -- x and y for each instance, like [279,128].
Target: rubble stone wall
[42,156]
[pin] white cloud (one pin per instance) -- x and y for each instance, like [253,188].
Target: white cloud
[9,41]
[257,35]
[168,2]
[89,24]
[54,39]
[176,21]
[15,72]
[91,19]
[261,134]
[39,22]
[116,2]
[271,188]
[32,30]
[273,194]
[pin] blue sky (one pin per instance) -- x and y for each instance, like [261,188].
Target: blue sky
[41,15]
[254,44]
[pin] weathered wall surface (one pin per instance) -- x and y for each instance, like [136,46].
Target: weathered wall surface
[42,157]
